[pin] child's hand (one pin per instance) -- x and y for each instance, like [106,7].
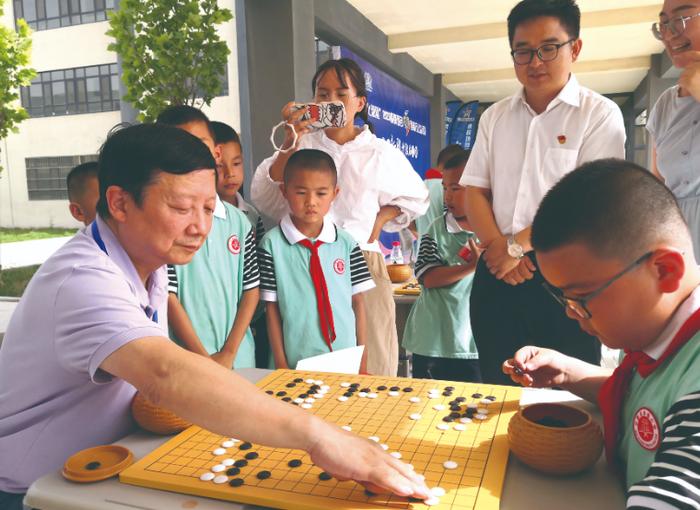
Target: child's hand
[538,367]
[475,252]
[224,358]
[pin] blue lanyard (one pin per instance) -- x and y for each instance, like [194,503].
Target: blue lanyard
[98,239]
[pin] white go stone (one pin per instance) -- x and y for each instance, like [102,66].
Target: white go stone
[306,406]
[432,501]
[346,427]
[310,400]
[393,393]
[318,382]
[486,401]
[372,395]
[415,400]
[342,398]
[221,479]
[482,410]
[298,400]
[227,444]
[396,455]
[309,381]
[442,426]
[437,492]
[385,447]
[219,451]
[228,462]
[415,416]
[472,406]
[480,416]
[325,388]
[234,440]
[449,464]
[373,438]
[433,390]
[218,468]
[345,384]
[439,407]
[319,395]
[434,395]
[362,394]
[207,477]
[465,420]
[460,427]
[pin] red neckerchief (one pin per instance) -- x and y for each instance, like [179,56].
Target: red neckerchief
[323,302]
[613,391]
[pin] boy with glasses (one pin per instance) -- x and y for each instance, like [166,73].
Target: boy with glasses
[525,144]
[589,232]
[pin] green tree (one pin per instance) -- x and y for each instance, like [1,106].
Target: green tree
[171,52]
[15,53]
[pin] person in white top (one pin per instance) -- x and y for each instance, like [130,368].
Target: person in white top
[378,190]
[524,145]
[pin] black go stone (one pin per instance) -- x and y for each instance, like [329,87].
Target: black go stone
[233,471]
[394,388]
[304,395]
[294,463]
[298,380]
[369,493]
[381,388]
[366,390]
[448,419]
[477,395]
[455,415]
[91,466]
[281,393]
[324,476]
[348,394]
[270,392]
[263,475]
[315,387]
[446,393]
[460,399]
[240,463]
[251,455]
[355,385]
[291,385]
[245,446]
[294,404]
[408,389]
[491,398]
[455,408]
[287,399]
[449,388]
[236,482]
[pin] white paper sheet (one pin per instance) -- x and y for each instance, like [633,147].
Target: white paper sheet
[344,361]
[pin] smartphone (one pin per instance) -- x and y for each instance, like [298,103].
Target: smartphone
[323,115]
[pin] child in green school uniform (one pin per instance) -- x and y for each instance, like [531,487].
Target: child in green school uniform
[438,332]
[616,253]
[313,273]
[212,299]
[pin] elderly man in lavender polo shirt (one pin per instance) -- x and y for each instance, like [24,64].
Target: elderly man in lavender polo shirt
[91,329]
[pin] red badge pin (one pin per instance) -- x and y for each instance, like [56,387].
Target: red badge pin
[234,245]
[339,266]
[646,429]
[561,139]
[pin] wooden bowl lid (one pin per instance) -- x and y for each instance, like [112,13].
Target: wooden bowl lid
[98,463]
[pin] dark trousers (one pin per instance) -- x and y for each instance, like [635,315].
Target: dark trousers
[446,369]
[10,501]
[262,342]
[505,318]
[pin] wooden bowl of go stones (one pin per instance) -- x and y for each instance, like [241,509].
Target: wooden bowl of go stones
[557,439]
[156,419]
[399,273]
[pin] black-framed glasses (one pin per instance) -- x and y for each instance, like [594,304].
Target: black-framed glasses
[545,53]
[674,25]
[578,304]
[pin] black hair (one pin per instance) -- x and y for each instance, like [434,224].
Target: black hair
[132,156]
[310,159]
[566,11]
[343,67]
[76,179]
[447,152]
[616,208]
[223,133]
[178,115]
[457,160]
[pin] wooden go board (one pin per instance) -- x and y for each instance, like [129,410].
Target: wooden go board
[455,434]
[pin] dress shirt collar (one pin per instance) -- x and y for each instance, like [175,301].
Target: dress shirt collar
[293,236]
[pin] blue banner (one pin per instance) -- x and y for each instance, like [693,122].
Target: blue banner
[399,114]
[451,108]
[462,129]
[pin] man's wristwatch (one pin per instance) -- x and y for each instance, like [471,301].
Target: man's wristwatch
[515,249]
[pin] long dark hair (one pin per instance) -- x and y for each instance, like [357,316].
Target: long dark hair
[346,67]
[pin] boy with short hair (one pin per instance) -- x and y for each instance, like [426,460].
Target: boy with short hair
[615,251]
[83,192]
[312,272]
[231,174]
[438,332]
[212,299]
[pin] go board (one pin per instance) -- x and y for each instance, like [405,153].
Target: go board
[455,434]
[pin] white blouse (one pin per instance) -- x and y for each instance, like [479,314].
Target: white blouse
[371,173]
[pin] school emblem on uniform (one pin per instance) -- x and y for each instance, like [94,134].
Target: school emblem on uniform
[406,122]
[339,266]
[646,429]
[234,245]
[561,139]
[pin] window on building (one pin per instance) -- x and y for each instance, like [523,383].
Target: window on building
[47,14]
[71,91]
[46,177]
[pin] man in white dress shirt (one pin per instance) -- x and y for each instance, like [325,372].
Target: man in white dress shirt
[525,144]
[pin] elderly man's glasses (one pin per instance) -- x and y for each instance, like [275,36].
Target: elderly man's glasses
[545,53]
[676,26]
[579,304]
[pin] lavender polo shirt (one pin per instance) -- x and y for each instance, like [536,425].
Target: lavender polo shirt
[80,307]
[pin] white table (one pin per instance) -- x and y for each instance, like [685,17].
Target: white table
[524,489]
